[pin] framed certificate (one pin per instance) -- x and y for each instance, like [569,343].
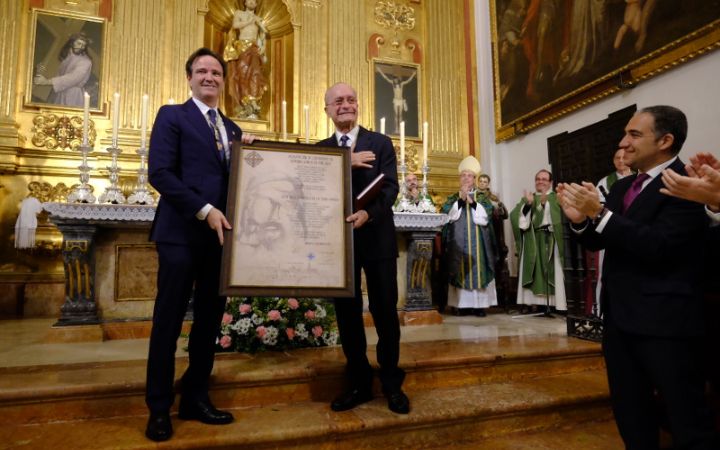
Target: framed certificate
[287,205]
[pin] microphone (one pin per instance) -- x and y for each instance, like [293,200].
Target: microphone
[603,191]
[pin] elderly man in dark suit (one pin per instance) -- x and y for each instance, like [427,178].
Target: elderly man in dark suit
[189,154]
[651,285]
[375,252]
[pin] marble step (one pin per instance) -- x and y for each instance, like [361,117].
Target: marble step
[468,415]
[40,394]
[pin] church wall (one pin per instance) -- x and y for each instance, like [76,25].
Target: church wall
[692,87]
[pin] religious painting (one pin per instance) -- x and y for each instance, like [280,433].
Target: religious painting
[553,56]
[287,205]
[396,97]
[66,55]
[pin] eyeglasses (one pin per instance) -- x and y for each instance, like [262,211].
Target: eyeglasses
[340,100]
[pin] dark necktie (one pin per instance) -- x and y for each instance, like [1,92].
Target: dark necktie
[212,115]
[344,140]
[634,190]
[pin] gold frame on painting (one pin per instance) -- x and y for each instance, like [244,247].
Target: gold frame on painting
[414,102]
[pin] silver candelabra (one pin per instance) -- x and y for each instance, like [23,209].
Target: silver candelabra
[112,193]
[83,193]
[141,195]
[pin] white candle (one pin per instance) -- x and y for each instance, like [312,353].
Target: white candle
[284,120]
[402,143]
[171,101]
[143,121]
[306,108]
[115,118]
[425,142]
[86,119]
[382,125]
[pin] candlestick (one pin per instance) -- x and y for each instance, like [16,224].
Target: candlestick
[382,125]
[143,121]
[425,142]
[284,120]
[306,108]
[402,143]
[115,118]
[86,119]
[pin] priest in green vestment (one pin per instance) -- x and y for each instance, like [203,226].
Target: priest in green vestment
[468,242]
[621,171]
[537,227]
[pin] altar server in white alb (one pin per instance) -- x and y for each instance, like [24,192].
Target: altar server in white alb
[469,243]
[537,227]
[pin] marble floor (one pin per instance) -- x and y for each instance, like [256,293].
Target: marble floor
[24,343]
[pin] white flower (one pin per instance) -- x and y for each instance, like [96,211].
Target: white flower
[257,320]
[300,331]
[320,312]
[243,326]
[271,335]
[330,338]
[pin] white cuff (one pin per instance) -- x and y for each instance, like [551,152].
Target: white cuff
[203,213]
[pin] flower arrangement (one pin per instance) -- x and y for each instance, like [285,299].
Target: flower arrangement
[273,323]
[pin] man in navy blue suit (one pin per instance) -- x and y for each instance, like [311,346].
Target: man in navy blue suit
[375,252]
[189,153]
[651,286]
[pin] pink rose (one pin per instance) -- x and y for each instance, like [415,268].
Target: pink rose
[317,331]
[274,314]
[227,318]
[245,308]
[225,341]
[310,314]
[260,331]
[293,303]
[290,333]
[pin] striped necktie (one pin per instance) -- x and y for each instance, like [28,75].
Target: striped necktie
[212,115]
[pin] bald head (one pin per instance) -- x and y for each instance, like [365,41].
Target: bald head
[341,106]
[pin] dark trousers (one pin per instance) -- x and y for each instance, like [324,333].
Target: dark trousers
[179,268]
[637,366]
[381,276]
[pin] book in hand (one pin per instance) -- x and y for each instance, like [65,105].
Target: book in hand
[370,192]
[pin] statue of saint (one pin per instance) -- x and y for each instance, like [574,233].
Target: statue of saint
[245,55]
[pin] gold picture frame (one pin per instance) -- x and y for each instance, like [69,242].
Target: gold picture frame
[549,62]
[287,205]
[71,71]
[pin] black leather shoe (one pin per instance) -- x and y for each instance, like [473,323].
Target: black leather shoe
[398,402]
[204,412]
[350,399]
[159,427]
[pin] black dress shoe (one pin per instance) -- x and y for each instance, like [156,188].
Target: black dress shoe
[350,399]
[479,312]
[159,427]
[398,402]
[204,412]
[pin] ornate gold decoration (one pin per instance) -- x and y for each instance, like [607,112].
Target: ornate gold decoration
[411,157]
[53,131]
[394,15]
[46,192]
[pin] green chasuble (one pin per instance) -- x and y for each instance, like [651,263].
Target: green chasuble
[536,245]
[469,248]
